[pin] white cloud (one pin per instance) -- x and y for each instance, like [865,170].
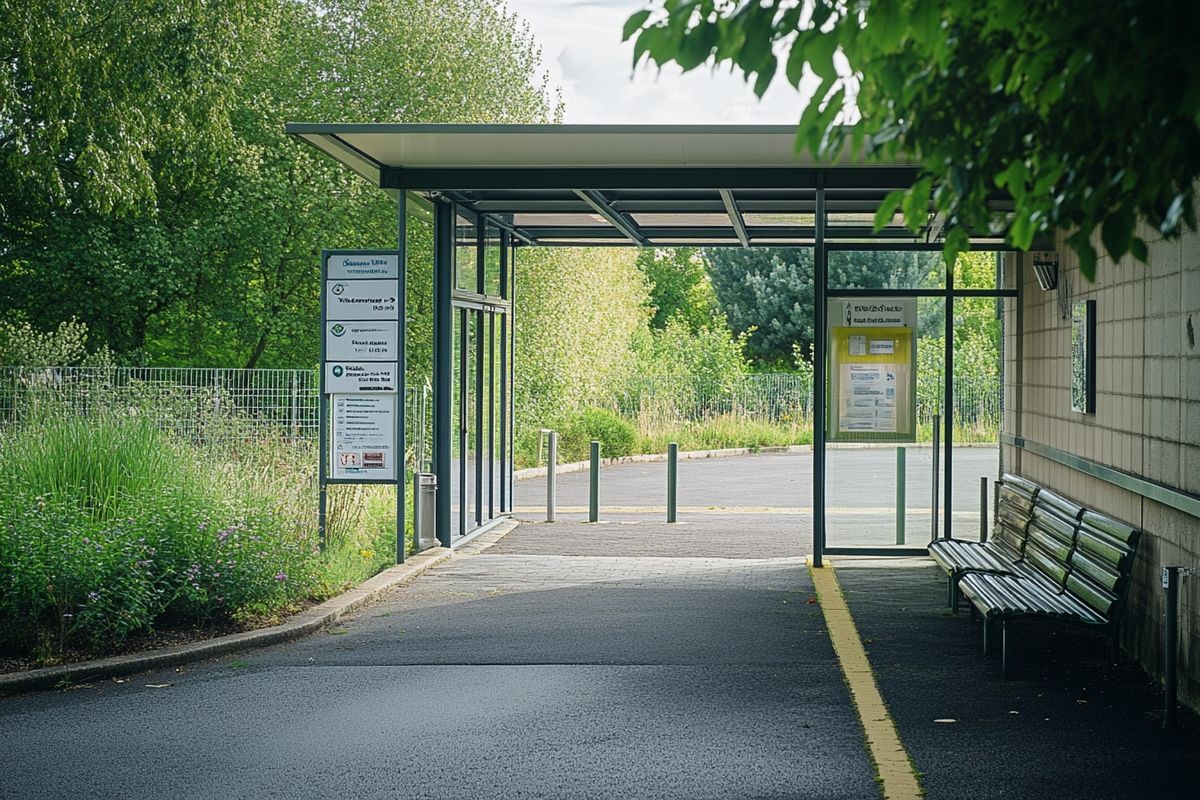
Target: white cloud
[583,52]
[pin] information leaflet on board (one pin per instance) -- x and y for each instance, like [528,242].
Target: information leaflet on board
[364,436]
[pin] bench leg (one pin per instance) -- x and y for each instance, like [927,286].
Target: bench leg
[952,594]
[1004,647]
[987,639]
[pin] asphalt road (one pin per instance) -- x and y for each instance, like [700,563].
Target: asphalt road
[765,501]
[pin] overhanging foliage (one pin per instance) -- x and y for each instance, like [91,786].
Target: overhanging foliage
[1087,114]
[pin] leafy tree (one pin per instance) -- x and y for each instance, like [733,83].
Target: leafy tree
[23,346]
[1087,114]
[93,93]
[574,344]
[679,286]
[207,253]
[767,293]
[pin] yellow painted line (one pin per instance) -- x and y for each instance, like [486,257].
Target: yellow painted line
[834,510]
[897,778]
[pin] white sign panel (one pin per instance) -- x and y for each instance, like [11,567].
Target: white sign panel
[352,376]
[874,312]
[361,300]
[345,266]
[867,398]
[362,341]
[364,437]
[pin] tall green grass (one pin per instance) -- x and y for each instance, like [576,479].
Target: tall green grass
[109,527]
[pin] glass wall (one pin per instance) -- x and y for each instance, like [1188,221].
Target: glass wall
[482,401]
[866,481]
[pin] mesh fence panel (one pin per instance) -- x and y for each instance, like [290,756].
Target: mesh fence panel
[785,397]
[210,406]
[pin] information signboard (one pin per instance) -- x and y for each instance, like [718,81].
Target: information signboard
[369,299]
[872,380]
[361,366]
[363,436]
[362,341]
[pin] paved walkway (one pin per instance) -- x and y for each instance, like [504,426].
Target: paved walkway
[501,674]
[636,660]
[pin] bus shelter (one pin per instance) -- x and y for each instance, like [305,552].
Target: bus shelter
[493,190]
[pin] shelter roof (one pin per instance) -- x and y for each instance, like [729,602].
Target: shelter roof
[647,185]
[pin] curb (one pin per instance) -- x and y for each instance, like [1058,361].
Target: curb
[302,624]
[731,452]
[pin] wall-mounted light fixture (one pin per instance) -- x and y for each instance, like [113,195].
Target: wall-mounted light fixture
[1045,267]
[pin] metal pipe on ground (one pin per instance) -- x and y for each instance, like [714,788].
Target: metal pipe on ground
[1170,644]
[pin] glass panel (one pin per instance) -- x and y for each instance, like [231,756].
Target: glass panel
[766,241]
[862,482]
[696,242]
[886,269]
[471,452]
[778,219]
[494,414]
[465,268]
[976,270]
[977,391]
[558,220]
[491,263]
[857,219]
[456,417]
[682,220]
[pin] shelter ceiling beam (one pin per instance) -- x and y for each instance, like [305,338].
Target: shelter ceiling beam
[618,220]
[735,217]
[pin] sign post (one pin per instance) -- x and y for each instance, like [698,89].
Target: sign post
[361,434]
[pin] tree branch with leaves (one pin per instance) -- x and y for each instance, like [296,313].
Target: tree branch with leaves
[1086,114]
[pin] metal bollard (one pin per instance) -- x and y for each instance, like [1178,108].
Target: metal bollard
[672,479]
[937,435]
[983,508]
[594,488]
[551,475]
[1170,578]
[900,492]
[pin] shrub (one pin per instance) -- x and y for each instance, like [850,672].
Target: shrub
[109,526]
[617,437]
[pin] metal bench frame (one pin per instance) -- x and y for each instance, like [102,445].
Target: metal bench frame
[1075,566]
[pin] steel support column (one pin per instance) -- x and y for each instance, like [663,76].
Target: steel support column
[820,285]
[948,377]
[402,324]
[443,351]
[505,453]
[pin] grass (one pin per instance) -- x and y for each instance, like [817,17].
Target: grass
[654,432]
[111,527]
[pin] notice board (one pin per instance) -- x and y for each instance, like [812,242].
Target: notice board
[872,356]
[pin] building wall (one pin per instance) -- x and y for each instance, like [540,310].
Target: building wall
[1147,419]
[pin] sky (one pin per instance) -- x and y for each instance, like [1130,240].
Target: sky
[582,51]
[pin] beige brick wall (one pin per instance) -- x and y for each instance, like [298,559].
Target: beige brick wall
[1147,419]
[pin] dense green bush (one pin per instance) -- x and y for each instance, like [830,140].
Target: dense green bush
[616,436]
[109,526]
